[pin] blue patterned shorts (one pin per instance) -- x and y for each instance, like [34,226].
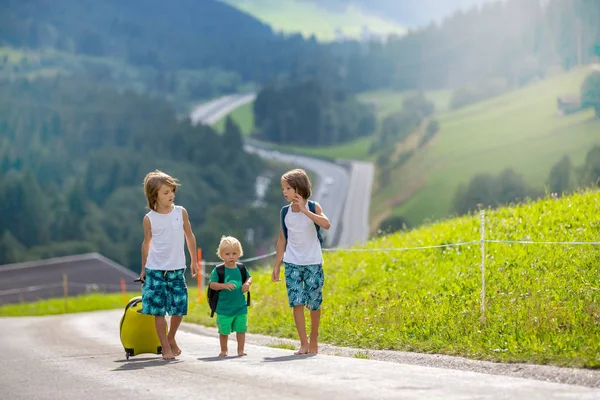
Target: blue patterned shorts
[165,292]
[304,285]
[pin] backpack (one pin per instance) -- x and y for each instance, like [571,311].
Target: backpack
[213,295]
[312,208]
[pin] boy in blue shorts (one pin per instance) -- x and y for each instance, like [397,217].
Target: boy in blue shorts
[299,247]
[232,309]
[166,228]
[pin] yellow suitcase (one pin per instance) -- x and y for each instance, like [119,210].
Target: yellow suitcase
[138,332]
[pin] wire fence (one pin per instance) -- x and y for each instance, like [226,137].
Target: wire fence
[204,275]
[481,242]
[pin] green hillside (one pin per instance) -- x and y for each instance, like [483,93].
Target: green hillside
[542,301]
[520,130]
[307,18]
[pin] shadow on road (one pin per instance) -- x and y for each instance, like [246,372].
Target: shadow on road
[288,358]
[217,358]
[141,363]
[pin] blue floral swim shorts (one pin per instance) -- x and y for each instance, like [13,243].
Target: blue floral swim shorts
[304,284]
[165,292]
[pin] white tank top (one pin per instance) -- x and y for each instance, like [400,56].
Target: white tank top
[303,246]
[167,248]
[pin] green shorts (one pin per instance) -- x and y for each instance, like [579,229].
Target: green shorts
[232,323]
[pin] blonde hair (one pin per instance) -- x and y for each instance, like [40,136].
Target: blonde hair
[298,180]
[228,242]
[152,183]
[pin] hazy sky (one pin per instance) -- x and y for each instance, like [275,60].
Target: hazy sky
[408,12]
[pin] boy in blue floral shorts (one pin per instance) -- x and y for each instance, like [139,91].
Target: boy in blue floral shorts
[299,247]
[166,228]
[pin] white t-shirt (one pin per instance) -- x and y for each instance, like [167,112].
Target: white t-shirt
[168,240]
[303,246]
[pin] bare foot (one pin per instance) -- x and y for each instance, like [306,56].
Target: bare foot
[241,353]
[302,350]
[313,348]
[174,348]
[223,354]
[167,353]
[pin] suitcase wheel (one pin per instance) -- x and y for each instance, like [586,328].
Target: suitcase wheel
[128,353]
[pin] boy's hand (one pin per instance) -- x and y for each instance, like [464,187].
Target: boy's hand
[301,202]
[245,287]
[143,275]
[275,276]
[229,286]
[194,269]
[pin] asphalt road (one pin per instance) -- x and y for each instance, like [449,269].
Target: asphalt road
[79,356]
[343,188]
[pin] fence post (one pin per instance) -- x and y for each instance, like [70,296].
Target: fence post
[200,276]
[124,290]
[482,243]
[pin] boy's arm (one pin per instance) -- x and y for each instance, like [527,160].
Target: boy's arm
[280,249]
[215,285]
[246,285]
[221,286]
[318,217]
[190,239]
[146,245]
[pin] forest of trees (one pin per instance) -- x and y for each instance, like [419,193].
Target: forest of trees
[187,50]
[72,159]
[590,92]
[311,113]
[478,52]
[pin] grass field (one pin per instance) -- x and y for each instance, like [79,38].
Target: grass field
[83,303]
[542,301]
[243,116]
[520,130]
[308,18]
[387,102]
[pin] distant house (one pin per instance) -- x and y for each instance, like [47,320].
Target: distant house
[43,279]
[568,104]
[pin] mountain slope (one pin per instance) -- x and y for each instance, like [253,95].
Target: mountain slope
[330,19]
[320,19]
[519,130]
[187,34]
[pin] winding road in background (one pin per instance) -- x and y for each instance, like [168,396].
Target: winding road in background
[343,188]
